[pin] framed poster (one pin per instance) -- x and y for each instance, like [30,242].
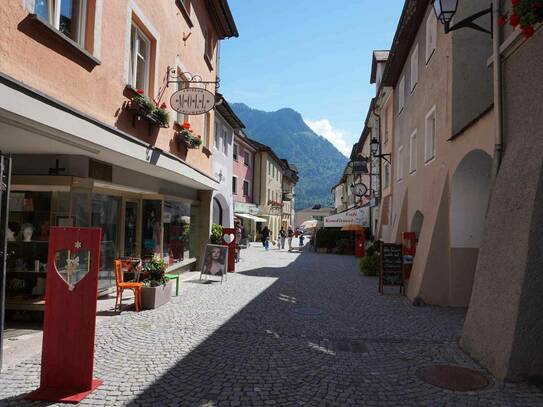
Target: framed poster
[214,261]
[391,266]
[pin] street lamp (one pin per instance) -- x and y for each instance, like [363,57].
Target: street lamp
[446,9]
[375,147]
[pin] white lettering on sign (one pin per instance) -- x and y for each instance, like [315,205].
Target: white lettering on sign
[192,101]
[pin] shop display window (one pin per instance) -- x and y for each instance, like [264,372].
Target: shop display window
[106,214]
[27,244]
[176,225]
[151,230]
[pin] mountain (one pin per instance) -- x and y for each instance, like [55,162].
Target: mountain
[319,163]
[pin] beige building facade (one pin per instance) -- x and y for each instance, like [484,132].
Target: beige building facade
[441,154]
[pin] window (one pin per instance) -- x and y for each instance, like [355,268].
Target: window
[217,136]
[245,188]
[225,141]
[401,95]
[386,175]
[235,151]
[431,35]
[67,16]
[414,67]
[234,185]
[209,46]
[399,169]
[247,158]
[430,137]
[413,152]
[140,63]
[269,195]
[205,134]
[387,128]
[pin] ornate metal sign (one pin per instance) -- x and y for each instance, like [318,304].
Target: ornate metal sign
[192,101]
[359,189]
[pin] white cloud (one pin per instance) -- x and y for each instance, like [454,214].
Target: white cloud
[335,136]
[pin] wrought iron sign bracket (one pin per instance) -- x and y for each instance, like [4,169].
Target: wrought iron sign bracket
[469,22]
[174,76]
[383,156]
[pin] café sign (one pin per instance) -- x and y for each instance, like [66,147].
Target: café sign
[192,101]
[357,216]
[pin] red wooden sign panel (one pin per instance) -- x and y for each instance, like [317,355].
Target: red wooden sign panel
[229,239]
[70,315]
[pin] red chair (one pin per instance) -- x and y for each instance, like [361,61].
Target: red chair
[121,286]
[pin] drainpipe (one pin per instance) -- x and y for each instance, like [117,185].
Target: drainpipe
[378,116]
[497,82]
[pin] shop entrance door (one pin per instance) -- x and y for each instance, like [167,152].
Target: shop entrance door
[5,183]
[131,222]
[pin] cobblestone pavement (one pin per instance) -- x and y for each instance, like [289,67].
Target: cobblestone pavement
[287,329]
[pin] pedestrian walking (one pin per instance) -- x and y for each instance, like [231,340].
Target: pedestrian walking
[290,235]
[301,239]
[282,237]
[266,237]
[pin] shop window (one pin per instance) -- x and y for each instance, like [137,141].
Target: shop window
[176,225]
[106,215]
[151,230]
[140,60]
[131,214]
[67,16]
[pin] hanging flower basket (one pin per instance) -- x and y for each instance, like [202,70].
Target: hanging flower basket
[525,14]
[186,135]
[149,110]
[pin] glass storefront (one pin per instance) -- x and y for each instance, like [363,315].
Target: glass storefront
[176,225]
[130,227]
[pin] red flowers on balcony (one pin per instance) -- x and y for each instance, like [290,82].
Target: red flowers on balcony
[526,13]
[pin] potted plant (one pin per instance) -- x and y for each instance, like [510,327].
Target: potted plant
[525,14]
[187,136]
[157,289]
[150,110]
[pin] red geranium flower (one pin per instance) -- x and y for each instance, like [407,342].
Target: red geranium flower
[140,91]
[502,20]
[186,125]
[514,20]
[515,2]
[528,31]
[163,105]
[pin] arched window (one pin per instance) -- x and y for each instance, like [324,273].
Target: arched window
[217,212]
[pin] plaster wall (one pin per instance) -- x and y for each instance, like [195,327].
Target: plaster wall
[244,172]
[42,61]
[428,189]
[223,169]
[504,327]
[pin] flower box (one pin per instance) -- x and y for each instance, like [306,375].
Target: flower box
[154,297]
[186,136]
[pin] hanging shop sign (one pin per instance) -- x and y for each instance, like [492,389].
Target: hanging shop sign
[192,101]
[357,216]
[359,189]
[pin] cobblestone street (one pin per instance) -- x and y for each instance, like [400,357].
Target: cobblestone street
[286,329]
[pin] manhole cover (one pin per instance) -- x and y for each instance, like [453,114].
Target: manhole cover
[308,311]
[454,378]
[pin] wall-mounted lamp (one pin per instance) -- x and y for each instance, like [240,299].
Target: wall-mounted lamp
[375,147]
[446,9]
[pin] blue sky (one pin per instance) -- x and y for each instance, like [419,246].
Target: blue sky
[311,55]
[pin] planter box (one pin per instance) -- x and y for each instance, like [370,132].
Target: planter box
[154,297]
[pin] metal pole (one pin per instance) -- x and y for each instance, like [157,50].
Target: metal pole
[497,79]
[5,174]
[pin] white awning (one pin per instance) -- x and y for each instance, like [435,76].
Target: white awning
[251,217]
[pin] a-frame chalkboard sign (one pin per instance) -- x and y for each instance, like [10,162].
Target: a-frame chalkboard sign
[391,266]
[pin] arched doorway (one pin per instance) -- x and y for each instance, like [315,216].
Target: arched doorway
[469,200]
[217,212]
